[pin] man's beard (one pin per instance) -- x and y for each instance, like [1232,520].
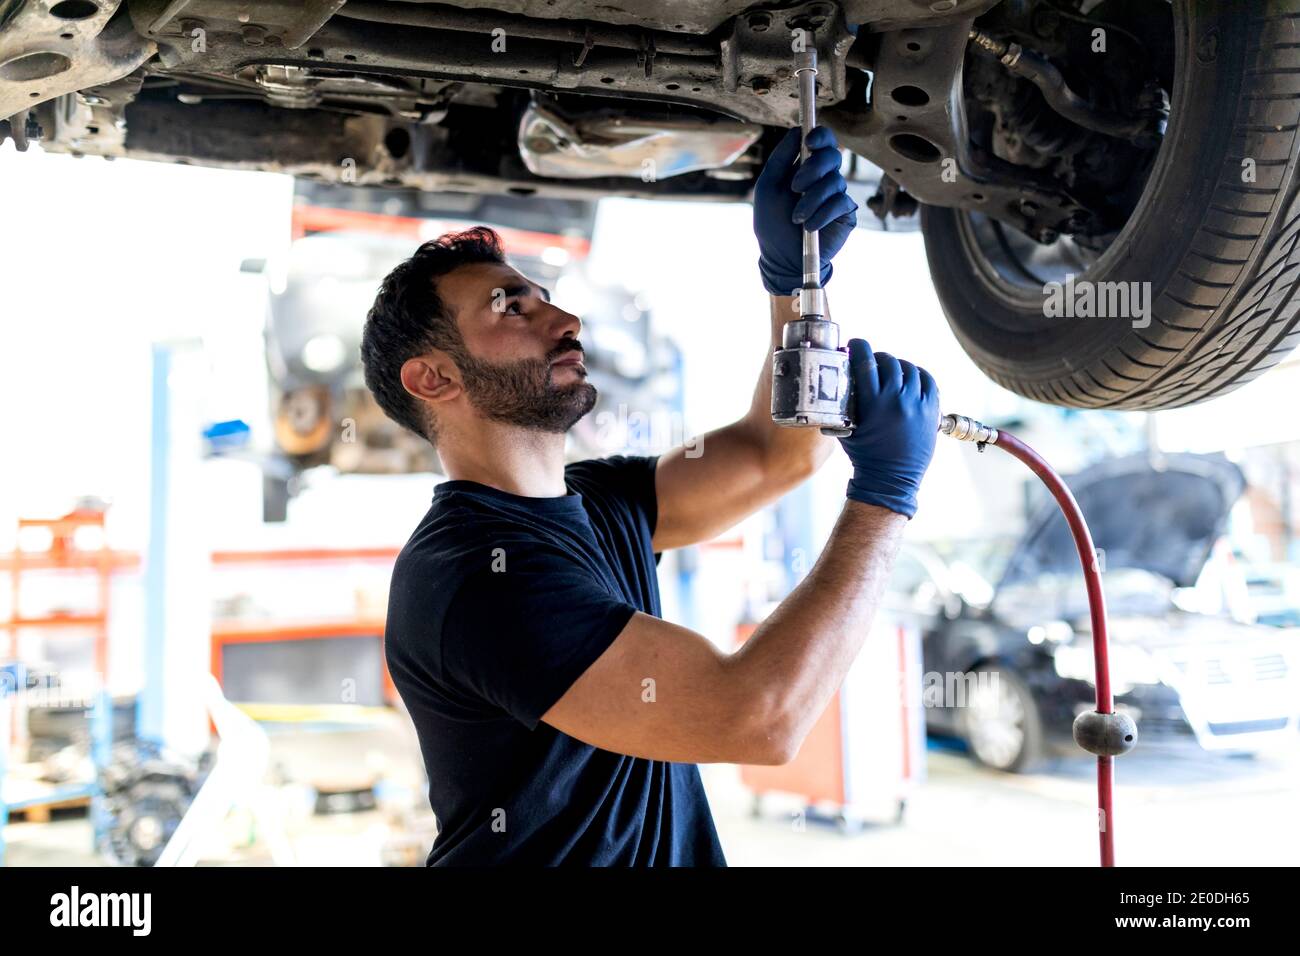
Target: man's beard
[522,393]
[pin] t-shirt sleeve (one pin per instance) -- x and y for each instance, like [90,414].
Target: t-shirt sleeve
[638,479]
[630,477]
[640,476]
[520,637]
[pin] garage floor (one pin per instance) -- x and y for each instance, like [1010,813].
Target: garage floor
[1172,810]
[1241,812]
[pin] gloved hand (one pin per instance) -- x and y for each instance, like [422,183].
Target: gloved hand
[790,197]
[896,416]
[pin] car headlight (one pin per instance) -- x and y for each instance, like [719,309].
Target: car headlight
[1057,632]
[1130,666]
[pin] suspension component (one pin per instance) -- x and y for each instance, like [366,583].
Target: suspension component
[1145,129]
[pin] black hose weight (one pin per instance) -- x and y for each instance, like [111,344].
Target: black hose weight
[1106,735]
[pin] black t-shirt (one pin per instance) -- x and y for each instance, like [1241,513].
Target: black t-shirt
[499,602]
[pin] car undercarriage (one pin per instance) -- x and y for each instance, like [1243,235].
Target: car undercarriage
[678,99]
[1147,148]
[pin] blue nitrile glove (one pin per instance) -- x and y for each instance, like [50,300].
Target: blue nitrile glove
[790,197]
[896,421]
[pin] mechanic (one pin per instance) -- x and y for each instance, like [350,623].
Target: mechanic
[559,717]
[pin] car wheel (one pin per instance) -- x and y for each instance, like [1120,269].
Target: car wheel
[1215,232]
[1001,723]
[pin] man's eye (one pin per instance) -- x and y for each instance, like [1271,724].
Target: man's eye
[514,308]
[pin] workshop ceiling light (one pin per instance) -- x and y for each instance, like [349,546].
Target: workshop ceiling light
[555,256]
[324,353]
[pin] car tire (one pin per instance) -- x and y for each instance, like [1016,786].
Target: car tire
[1221,254]
[988,730]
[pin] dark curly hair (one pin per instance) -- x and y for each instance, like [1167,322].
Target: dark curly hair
[409,318]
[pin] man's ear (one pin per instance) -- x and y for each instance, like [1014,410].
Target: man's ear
[432,377]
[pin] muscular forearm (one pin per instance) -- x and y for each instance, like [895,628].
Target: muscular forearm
[798,657]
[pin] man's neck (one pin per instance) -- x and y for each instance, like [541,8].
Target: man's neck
[517,460]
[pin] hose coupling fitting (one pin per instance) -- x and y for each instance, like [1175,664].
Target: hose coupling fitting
[968,429]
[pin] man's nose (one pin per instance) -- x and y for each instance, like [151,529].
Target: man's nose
[566,324]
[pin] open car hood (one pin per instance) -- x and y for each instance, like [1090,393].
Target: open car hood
[1160,514]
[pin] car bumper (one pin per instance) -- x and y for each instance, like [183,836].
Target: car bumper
[1163,720]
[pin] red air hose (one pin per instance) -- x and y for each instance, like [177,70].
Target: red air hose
[1102,732]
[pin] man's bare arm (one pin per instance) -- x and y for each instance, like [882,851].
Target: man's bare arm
[705,487]
[664,692]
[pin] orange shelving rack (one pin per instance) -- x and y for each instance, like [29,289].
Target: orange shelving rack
[62,555]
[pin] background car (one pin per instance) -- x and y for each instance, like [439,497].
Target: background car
[1009,665]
